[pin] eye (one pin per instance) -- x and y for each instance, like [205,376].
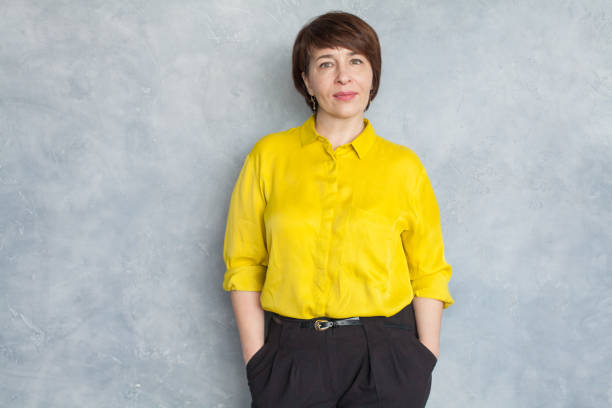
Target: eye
[356,61]
[325,65]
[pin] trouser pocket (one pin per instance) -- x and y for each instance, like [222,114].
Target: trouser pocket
[405,337]
[404,368]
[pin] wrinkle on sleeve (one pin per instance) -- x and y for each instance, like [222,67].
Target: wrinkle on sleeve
[424,247]
[244,247]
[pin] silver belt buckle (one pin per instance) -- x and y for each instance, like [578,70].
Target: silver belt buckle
[317,325]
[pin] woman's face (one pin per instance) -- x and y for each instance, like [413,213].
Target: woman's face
[341,81]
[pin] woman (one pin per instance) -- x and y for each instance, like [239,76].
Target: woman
[336,232]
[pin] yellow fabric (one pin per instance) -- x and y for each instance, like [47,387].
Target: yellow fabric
[353,231]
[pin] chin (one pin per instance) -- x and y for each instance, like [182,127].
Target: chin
[346,113]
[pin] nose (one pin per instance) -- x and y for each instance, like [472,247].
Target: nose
[343,76]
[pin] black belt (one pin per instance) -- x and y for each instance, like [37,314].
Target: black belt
[324,323]
[318,324]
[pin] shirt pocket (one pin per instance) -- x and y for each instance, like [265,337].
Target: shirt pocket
[368,251]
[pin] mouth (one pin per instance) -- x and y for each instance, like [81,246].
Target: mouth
[345,96]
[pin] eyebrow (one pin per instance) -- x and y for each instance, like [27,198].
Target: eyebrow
[331,56]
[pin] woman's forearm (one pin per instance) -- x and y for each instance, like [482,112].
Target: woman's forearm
[250,320]
[428,315]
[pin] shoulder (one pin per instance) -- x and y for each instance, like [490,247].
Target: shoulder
[274,143]
[403,157]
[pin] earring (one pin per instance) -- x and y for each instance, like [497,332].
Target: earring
[314,103]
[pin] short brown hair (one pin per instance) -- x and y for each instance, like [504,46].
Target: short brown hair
[330,30]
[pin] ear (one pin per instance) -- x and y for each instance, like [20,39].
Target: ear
[305,79]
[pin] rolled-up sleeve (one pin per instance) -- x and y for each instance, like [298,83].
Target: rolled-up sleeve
[423,245]
[244,248]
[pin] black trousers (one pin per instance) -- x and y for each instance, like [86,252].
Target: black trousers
[380,364]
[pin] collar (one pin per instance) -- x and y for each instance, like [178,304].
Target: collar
[362,143]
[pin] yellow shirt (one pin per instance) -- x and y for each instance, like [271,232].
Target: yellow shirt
[353,231]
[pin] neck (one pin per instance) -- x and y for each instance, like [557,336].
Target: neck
[338,131]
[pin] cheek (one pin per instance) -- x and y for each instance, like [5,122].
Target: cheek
[321,84]
[367,82]
[365,77]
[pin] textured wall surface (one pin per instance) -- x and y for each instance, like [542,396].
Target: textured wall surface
[123,125]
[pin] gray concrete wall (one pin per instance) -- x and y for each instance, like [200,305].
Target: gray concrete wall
[123,125]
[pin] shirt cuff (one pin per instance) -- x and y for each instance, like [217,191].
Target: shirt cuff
[249,277]
[433,286]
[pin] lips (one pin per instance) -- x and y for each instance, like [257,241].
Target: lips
[345,93]
[345,96]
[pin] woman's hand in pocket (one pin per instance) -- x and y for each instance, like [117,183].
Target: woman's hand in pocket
[247,355]
[435,348]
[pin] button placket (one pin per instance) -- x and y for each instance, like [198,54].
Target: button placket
[327,222]
[324,243]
